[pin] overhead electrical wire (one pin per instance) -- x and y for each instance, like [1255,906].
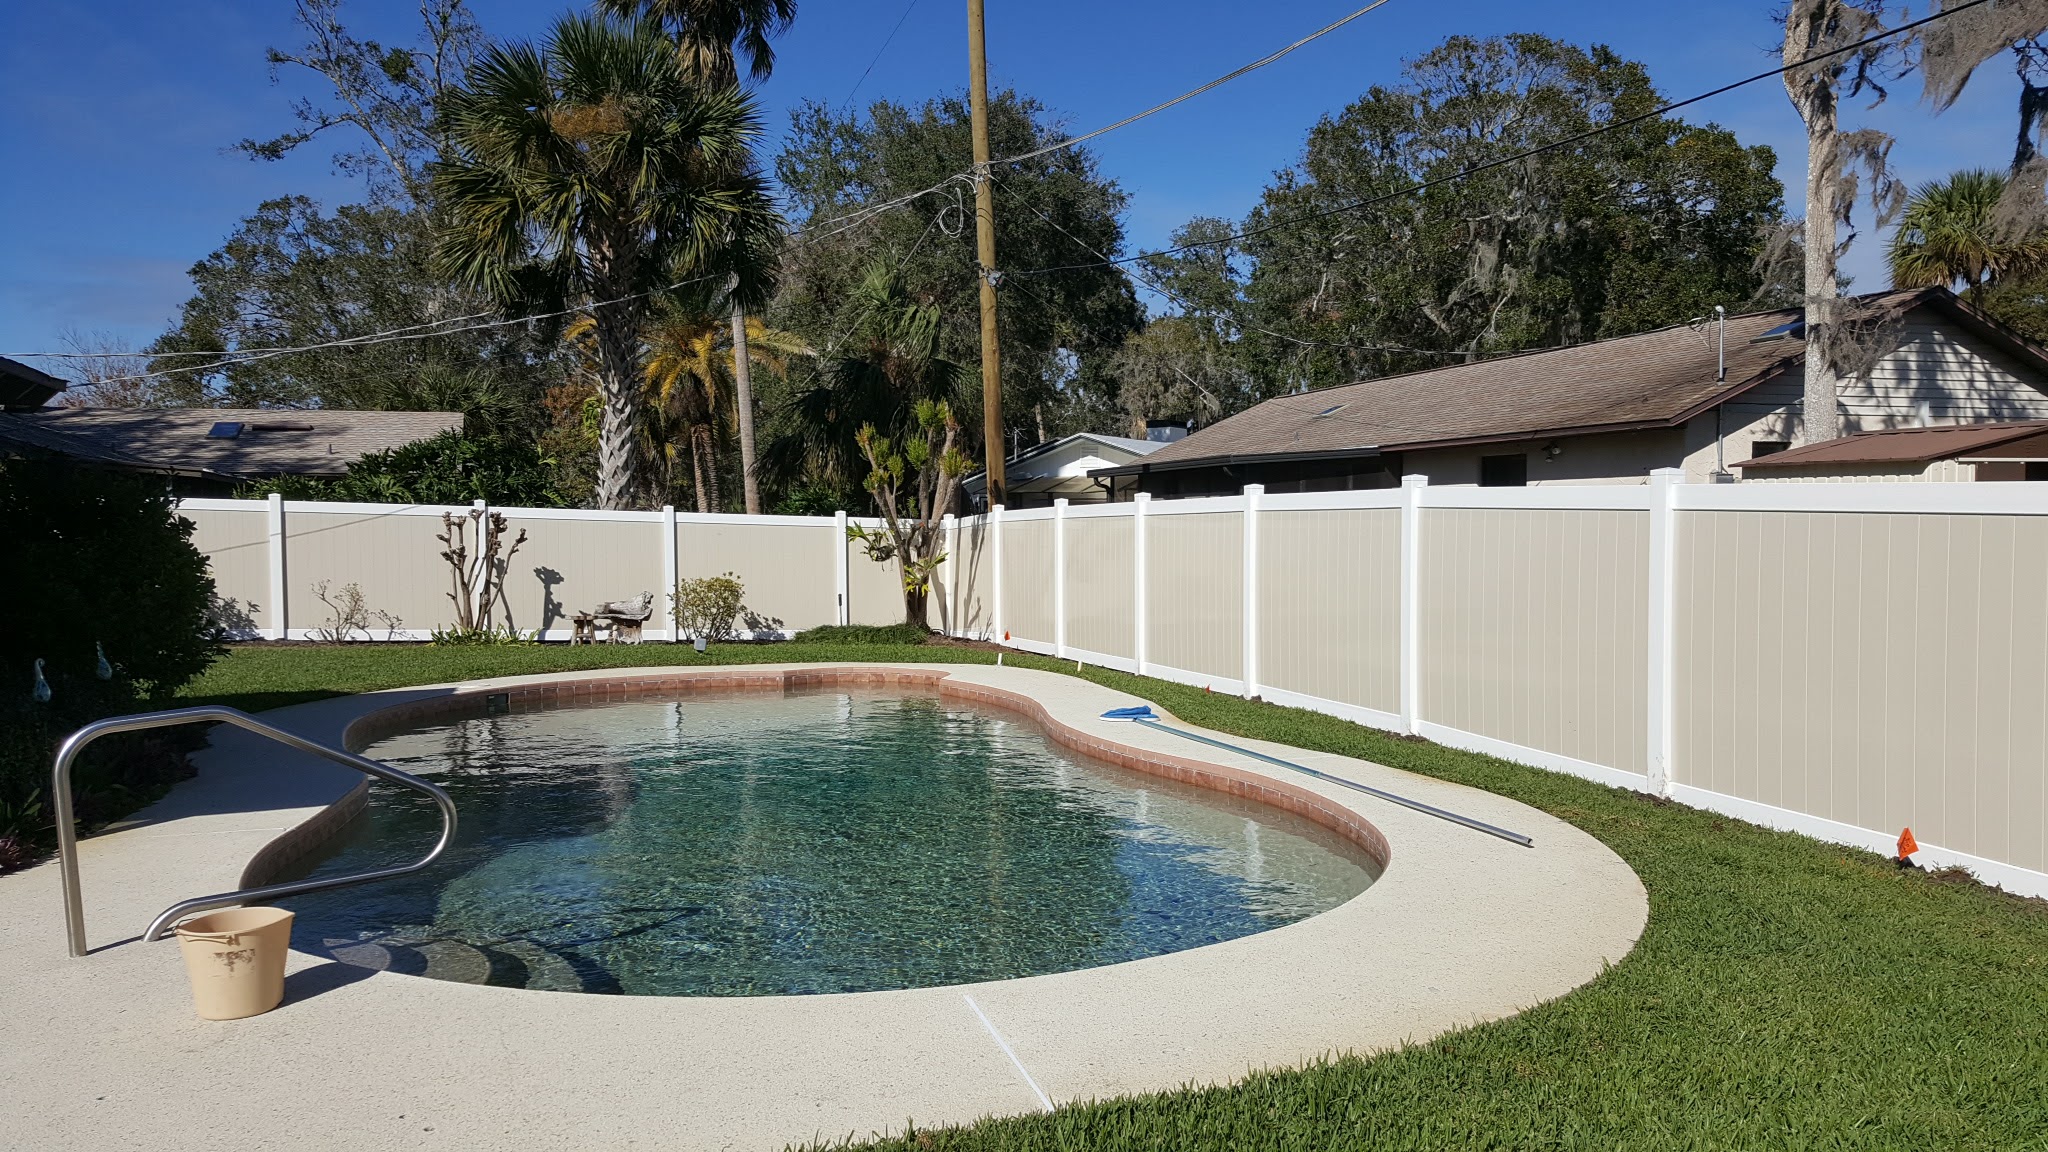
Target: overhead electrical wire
[886,41]
[1539,150]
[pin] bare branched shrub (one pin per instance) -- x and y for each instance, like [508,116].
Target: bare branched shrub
[349,613]
[106,373]
[479,580]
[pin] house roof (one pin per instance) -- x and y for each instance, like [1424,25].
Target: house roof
[270,442]
[1106,448]
[24,387]
[1650,380]
[1912,446]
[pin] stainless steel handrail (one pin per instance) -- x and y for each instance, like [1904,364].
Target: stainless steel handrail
[67,833]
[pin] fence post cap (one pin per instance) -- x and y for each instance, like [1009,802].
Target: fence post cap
[1415,480]
[1666,475]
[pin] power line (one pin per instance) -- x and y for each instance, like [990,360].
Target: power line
[1219,82]
[1555,145]
[890,39]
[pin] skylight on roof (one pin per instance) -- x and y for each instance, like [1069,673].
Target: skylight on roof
[224,430]
[1330,411]
[1791,329]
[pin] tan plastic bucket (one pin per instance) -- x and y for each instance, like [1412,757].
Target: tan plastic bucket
[236,960]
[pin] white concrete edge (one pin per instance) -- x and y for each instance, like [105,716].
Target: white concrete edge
[2011,877]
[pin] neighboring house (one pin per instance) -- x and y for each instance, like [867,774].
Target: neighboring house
[1059,469]
[210,451]
[1613,410]
[2015,450]
[23,388]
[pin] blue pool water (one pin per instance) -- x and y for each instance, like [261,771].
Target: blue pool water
[824,841]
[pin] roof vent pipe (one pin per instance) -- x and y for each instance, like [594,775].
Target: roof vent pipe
[1721,355]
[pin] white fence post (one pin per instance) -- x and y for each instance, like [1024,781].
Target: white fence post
[1662,623]
[670,577]
[995,613]
[1139,507]
[1059,577]
[1252,492]
[845,611]
[278,617]
[949,534]
[1411,602]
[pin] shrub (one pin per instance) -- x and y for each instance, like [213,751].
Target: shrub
[96,562]
[866,634]
[447,469]
[707,607]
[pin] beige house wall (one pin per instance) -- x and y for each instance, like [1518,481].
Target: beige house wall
[1330,604]
[1027,580]
[1101,592]
[237,549]
[1533,629]
[786,568]
[1881,670]
[1194,592]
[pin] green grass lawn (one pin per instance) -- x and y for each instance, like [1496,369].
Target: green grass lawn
[1787,994]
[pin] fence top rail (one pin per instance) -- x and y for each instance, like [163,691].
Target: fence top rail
[218,504]
[2014,498]
[1568,497]
[351,508]
[1373,499]
[738,518]
[1017,515]
[1085,511]
[1191,505]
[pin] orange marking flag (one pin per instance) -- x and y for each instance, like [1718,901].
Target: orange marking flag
[1907,845]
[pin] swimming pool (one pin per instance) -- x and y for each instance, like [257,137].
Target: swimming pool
[806,841]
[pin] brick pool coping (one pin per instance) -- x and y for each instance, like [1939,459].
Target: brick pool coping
[1460,928]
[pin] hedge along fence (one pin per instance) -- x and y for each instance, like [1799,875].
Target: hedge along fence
[270,557]
[1842,660]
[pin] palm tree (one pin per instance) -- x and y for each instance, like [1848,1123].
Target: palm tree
[594,170]
[712,33]
[690,378]
[709,36]
[1950,234]
[889,361]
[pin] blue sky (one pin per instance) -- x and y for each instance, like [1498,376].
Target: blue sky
[119,112]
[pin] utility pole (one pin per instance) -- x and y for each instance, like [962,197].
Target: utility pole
[985,251]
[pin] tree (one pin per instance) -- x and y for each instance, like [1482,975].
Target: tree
[592,169]
[1176,369]
[1948,235]
[388,95]
[712,33]
[691,373]
[1824,69]
[913,485]
[709,34]
[891,358]
[1344,271]
[293,276]
[1060,329]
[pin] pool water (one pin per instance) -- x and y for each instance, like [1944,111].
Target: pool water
[814,841]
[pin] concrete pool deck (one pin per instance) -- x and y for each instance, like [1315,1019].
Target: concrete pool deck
[105,1051]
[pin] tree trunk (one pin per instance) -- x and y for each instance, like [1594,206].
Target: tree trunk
[1813,95]
[618,432]
[743,389]
[914,601]
[698,484]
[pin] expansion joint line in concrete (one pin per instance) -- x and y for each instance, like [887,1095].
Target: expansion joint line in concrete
[1043,1099]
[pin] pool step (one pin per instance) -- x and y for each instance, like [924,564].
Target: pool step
[507,964]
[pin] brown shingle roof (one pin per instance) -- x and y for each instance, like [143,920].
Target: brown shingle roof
[1653,379]
[1905,445]
[273,442]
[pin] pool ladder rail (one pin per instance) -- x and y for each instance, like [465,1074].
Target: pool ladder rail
[67,833]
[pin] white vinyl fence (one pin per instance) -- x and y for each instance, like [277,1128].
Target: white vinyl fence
[1843,660]
[269,557]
